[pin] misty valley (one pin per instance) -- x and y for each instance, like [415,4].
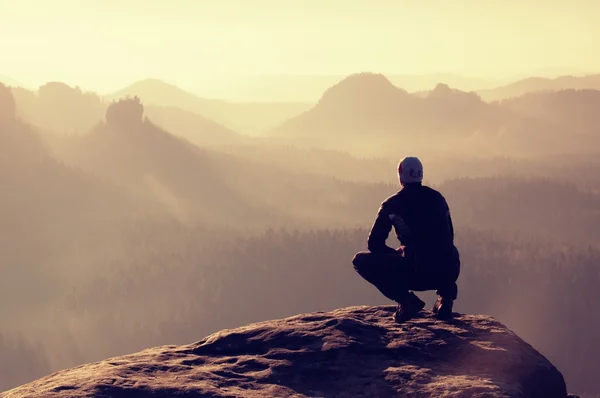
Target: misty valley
[152,216]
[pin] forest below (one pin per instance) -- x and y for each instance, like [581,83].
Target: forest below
[126,224]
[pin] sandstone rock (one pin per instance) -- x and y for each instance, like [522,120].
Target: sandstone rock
[350,352]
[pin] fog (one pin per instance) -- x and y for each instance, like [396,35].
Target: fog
[138,212]
[128,225]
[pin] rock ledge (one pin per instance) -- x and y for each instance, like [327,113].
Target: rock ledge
[350,352]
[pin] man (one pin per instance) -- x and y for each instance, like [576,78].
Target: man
[427,258]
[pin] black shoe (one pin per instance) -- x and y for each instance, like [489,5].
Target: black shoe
[442,309]
[408,308]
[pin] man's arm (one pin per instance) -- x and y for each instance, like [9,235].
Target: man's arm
[380,232]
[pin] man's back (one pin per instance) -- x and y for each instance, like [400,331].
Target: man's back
[421,219]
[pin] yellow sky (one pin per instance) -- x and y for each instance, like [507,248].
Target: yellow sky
[105,44]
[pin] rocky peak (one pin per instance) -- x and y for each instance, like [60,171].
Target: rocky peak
[444,92]
[363,89]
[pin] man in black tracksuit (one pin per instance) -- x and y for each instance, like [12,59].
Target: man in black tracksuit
[427,259]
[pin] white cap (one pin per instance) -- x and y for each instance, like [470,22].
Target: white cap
[410,170]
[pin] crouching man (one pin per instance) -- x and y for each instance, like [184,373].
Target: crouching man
[427,258]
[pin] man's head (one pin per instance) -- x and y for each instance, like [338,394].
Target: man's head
[410,170]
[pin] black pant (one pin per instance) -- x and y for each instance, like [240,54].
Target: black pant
[394,276]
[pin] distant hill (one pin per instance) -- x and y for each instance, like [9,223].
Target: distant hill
[161,169]
[535,84]
[64,110]
[201,185]
[246,117]
[169,175]
[366,113]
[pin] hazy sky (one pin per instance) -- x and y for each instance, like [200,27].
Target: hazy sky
[105,44]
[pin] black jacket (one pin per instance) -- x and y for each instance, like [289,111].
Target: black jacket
[423,225]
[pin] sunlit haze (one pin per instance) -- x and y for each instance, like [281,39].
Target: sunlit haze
[170,169]
[105,44]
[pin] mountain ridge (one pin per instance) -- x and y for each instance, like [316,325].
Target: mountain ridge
[366,110]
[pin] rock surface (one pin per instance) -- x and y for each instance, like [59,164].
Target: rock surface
[350,352]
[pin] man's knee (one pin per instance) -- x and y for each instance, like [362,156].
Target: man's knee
[361,260]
